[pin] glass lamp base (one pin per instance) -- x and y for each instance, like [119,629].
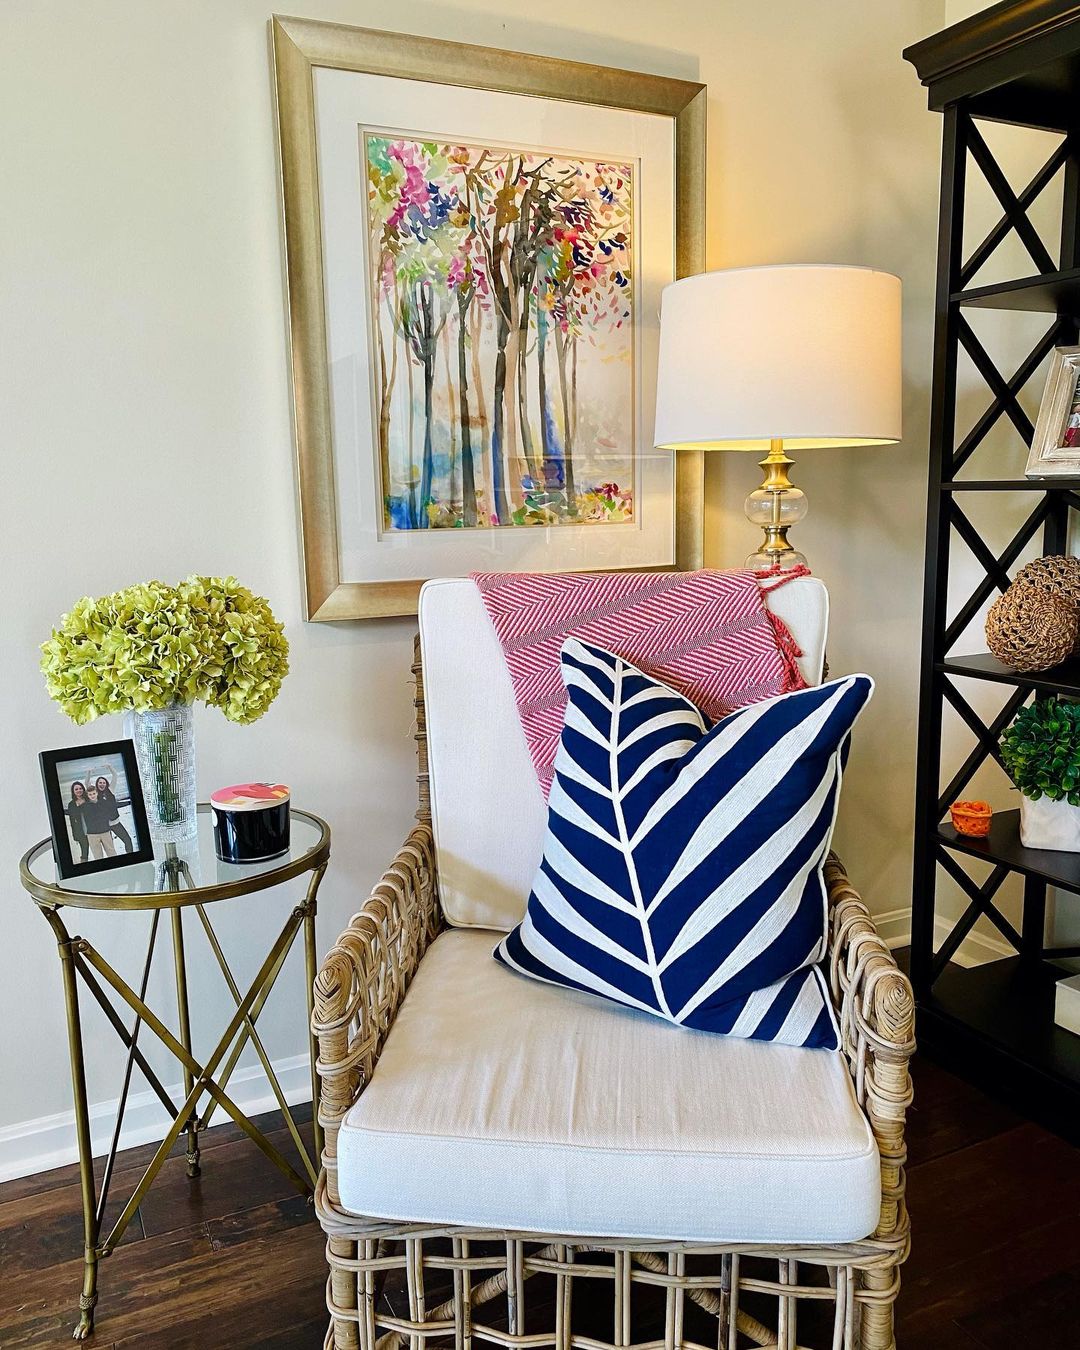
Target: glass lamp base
[776,505]
[766,560]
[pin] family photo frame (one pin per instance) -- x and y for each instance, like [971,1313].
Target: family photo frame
[475,245]
[97,816]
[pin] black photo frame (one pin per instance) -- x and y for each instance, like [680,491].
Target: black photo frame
[111,755]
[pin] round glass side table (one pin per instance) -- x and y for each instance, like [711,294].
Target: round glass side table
[186,878]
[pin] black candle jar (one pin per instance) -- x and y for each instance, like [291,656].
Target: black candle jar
[251,822]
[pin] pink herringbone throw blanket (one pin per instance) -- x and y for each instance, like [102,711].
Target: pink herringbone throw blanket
[708,634]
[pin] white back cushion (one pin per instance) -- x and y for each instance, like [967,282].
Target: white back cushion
[488,812]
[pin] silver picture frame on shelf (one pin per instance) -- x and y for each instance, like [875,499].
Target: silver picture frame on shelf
[1055,447]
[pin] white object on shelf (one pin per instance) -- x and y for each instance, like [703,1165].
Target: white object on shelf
[1049,824]
[1067,1004]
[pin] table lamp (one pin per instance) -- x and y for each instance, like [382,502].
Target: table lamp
[779,358]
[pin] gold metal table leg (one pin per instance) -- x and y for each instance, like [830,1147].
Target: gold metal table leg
[312,969]
[174,871]
[88,1297]
[184,1018]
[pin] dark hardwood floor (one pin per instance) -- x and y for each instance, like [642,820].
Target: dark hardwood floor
[235,1260]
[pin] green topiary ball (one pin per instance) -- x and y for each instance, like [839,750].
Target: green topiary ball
[1041,750]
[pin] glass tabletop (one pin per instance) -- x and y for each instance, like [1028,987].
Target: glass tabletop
[196,876]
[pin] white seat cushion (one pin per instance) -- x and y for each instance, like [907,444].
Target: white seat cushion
[504,1103]
[488,812]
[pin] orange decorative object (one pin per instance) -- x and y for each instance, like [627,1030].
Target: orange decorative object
[971,818]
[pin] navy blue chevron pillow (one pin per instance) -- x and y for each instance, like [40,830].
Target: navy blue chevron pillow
[682,869]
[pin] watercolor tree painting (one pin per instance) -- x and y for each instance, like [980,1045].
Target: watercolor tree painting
[502,335]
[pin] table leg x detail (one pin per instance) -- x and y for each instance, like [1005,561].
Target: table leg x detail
[80,961]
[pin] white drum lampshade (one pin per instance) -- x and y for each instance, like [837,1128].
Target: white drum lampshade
[774,359]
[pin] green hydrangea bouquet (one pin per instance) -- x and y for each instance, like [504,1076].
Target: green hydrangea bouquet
[153,650]
[207,640]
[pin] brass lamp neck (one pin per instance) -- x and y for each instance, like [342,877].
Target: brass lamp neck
[776,482]
[776,465]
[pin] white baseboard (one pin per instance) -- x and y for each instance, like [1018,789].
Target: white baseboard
[49,1141]
[894,925]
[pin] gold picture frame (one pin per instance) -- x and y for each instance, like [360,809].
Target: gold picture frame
[299,48]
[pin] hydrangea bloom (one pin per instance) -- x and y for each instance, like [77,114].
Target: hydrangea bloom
[152,645]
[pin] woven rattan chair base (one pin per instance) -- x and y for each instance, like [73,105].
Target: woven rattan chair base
[393,1282]
[443,1286]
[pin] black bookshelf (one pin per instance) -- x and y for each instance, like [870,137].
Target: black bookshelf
[1017,62]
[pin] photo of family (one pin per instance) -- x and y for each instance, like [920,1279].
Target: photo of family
[98,808]
[95,807]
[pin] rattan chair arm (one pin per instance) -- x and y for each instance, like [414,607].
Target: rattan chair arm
[363,979]
[876,1012]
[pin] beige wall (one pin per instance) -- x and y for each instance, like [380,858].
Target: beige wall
[145,404]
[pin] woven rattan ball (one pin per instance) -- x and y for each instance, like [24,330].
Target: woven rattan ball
[1056,575]
[1029,629]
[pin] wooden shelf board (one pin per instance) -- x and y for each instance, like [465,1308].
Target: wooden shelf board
[1003,845]
[1011,485]
[1063,679]
[1048,293]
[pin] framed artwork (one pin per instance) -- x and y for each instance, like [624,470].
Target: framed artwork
[1055,449]
[96,813]
[476,241]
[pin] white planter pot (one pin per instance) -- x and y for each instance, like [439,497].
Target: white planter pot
[1049,824]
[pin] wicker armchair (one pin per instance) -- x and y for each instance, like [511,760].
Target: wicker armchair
[451,1283]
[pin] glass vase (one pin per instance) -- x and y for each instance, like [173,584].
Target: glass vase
[165,748]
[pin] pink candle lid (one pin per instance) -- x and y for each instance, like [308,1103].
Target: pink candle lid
[250,796]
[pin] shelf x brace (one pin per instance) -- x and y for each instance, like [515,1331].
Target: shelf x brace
[1021,203]
[973,721]
[1016,214]
[1005,391]
[987,737]
[996,568]
[1004,394]
[980,905]
[983,556]
[980,897]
